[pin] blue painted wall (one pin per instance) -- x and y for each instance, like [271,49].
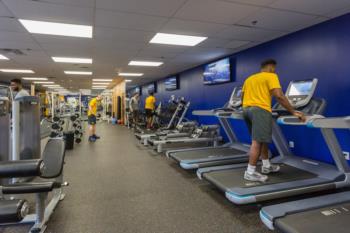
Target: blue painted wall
[321,51]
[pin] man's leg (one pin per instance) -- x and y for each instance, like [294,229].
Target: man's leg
[267,167]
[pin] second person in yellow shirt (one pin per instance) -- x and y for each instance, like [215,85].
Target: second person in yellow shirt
[150,105]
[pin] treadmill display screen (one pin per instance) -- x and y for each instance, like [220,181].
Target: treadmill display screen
[300,89]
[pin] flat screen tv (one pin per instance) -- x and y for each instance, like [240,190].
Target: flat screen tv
[152,87]
[217,72]
[171,83]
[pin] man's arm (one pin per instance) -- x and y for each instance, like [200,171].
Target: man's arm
[282,99]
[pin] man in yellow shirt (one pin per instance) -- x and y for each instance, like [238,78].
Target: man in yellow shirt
[92,118]
[150,105]
[258,91]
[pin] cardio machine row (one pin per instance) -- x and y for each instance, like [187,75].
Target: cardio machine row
[223,165]
[31,164]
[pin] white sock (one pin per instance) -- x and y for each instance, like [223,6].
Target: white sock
[251,169]
[266,163]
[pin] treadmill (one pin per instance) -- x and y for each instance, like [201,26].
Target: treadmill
[317,213]
[231,152]
[298,175]
[204,134]
[176,119]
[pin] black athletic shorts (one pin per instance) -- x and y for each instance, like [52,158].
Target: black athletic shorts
[259,122]
[92,120]
[149,112]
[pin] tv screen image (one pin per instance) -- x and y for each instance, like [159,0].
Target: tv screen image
[217,72]
[302,88]
[152,88]
[171,84]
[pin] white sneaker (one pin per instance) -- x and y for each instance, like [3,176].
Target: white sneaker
[271,169]
[256,176]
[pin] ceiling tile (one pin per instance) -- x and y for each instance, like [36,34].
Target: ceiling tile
[35,10]
[276,20]
[19,45]
[247,33]
[9,24]
[202,55]
[151,7]
[236,44]
[128,21]
[255,2]
[189,27]
[16,37]
[81,3]
[214,11]
[123,35]
[319,7]
[213,43]
[4,10]
[340,12]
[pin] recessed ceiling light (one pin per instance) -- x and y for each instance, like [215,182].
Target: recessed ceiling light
[174,39]
[59,29]
[43,82]
[79,72]
[130,74]
[94,83]
[17,71]
[72,60]
[128,80]
[145,63]
[34,78]
[51,85]
[102,80]
[2,57]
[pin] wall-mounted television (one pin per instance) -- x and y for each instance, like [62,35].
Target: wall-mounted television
[171,83]
[152,87]
[137,90]
[217,72]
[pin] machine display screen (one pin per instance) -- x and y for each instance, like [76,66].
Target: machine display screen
[152,88]
[217,72]
[171,84]
[301,88]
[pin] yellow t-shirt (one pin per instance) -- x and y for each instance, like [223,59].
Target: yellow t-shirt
[150,102]
[257,89]
[92,107]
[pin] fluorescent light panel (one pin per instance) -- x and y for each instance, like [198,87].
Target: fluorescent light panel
[102,80]
[131,74]
[17,71]
[2,57]
[34,78]
[145,63]
[94,83]
[51,85]
[98,88]
[128,80]
[43,82]
[58,29]
[78,72]
[174,39]
[72,60]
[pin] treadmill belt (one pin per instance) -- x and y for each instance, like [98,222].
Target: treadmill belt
[329,219]
[208,153]
[226,179]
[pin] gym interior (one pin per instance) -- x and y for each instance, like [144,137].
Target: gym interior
[145,116]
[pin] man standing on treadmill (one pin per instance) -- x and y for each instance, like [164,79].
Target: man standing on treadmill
[258,91]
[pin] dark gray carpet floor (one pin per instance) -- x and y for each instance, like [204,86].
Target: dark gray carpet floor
[116,185]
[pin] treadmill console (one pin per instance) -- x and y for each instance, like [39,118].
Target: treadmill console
[299,93]
[236,98]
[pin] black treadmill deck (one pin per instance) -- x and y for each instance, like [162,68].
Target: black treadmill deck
[329,219]
[208,153]
[226,179]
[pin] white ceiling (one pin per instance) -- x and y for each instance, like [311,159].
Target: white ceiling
[123,28]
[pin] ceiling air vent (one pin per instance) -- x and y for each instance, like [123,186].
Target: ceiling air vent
[12,51]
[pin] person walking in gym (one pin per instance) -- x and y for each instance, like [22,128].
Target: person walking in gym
[17,89]
[257,94]
[135,108]
[92,118]
[150,105]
